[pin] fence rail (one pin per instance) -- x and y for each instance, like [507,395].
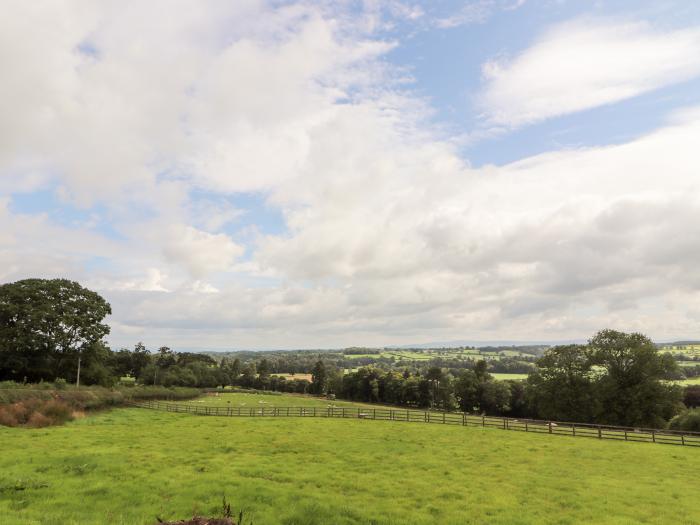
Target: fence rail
[670,437]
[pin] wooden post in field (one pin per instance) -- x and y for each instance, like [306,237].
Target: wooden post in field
[483,421]
[653,436]
[550,427]
[443,417]
[374,413]
[682,439]
[600,433]
[573,430]
[625,435]
[464,419]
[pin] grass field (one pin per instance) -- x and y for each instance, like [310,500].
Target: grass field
[292,377]
[240,399]
[503,377]
[128,466]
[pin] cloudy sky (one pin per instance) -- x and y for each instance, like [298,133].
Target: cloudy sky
[279,174]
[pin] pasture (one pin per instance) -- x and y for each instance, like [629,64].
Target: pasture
[128,466]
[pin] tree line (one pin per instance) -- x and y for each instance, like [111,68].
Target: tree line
[53,329]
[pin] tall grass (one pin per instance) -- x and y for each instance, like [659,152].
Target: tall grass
[45,404]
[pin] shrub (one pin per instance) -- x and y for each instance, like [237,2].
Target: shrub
[7,418]
[39,420]
[57,411]
[60,384]
[688,420]
[691,396]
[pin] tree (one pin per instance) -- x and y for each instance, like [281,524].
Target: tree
[466,389]
[263,380]
[319,378]
[691,396]
[630,389]
[562,387]
[45,325]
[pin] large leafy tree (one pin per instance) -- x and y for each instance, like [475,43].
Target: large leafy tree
[631,388]
[563,385]
[45,327]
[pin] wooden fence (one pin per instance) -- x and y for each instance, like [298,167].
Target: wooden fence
[670,437]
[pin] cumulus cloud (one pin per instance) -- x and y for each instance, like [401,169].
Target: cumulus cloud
[152,123]
[586,63]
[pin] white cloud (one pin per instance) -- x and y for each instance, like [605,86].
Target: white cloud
[200,252]
[583,64]
[391,238]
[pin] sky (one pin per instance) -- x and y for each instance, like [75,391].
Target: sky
[282,174]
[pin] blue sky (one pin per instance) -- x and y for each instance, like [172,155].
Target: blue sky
[302,174]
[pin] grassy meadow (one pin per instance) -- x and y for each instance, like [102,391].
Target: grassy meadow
[129,465]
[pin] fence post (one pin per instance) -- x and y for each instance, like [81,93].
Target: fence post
[408,415]
[464,419]
[600,433]
[443,417]
[526,426]
[573,430]
[314,411]
[653,436]
[483,421]
[374,413]
[505,424]
[343,411]
[625,435]
[550,427]
[682,439]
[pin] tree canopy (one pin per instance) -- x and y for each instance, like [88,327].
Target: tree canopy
[45,324]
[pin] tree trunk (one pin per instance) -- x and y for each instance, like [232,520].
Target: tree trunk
[77,380]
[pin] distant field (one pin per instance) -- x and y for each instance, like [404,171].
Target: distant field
[259,400]
[426,355]
[128,466]
[503,377]
[691,381]
[292,377]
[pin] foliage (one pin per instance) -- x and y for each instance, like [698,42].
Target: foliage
[691,396]
[688,420]
[45,325]
[562,387]
[20,404]
[631,390]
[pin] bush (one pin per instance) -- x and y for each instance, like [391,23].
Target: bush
[19,403]
[60,384]
[57,411]
[688,420]
[691,396]
[39,420]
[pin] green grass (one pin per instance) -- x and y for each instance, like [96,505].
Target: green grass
[129,465]
[503,377]
[690,381]
[269,401]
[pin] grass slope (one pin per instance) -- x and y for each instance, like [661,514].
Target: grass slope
[129,465]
